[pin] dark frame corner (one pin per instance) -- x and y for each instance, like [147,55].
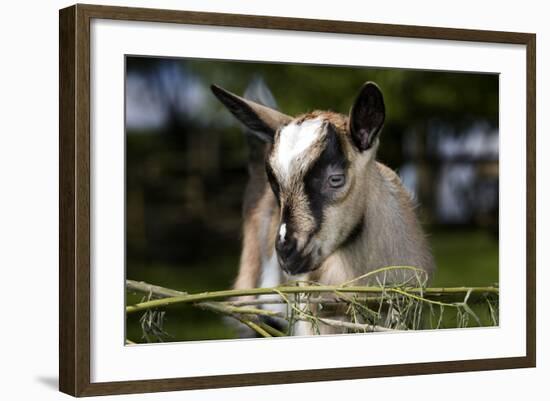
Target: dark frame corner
[74,198]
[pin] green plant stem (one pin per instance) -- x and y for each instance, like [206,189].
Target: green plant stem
[271,330]
[238,314]
[230,309]
[354,326]
[155,290]
[437,294]
[254,326]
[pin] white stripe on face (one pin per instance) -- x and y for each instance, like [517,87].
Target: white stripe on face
[295,139]
[282,233]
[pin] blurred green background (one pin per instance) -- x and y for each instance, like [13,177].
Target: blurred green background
[186,168]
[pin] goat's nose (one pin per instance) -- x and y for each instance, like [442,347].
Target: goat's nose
[286,247]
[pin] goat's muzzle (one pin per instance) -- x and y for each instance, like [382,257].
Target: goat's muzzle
[290,259]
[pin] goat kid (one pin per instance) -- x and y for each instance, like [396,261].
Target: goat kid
[322,208]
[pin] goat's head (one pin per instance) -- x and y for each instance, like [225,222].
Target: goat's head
[316,167]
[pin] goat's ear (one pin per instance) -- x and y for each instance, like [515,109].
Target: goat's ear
[367,116]
[262,120]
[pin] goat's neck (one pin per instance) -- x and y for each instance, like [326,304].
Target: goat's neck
[390,234]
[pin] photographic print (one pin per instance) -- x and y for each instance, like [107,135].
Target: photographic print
[255,187]
[273,200]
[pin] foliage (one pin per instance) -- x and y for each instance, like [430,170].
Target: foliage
[406,305]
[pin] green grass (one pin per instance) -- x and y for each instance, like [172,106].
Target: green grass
[184,323]
[463,258]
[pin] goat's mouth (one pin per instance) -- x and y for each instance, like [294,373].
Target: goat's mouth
[298,264]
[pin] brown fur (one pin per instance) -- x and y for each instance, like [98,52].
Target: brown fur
[391,236]
[388,207]
[372,199]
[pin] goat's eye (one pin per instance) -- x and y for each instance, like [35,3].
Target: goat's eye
[336,180]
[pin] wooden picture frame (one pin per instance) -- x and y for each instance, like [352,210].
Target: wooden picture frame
[74,206]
